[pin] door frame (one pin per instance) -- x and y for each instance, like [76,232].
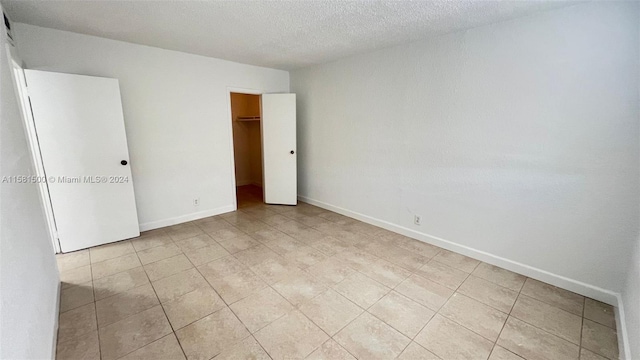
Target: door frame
[247,91]
[21,92]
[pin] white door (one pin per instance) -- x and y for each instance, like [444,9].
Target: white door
[279,151]
[80,129]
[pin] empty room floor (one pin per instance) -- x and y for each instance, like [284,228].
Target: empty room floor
[301,282]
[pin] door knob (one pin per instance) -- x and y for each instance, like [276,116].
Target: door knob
[123,162]
[292,152]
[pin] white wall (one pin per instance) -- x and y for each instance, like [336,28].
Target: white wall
[517,142]
[176,110]
[28,271]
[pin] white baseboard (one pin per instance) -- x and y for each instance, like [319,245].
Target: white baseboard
[621,326]
[579,287]
[185,218]
[56,319]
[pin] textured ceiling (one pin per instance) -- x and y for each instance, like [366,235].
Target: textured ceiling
[278,34]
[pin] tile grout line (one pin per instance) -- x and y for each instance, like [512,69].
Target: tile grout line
[506,320]
[173,332]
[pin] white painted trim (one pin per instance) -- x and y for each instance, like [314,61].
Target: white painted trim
[56,314]
[621,326]
[186,218]
[579,287]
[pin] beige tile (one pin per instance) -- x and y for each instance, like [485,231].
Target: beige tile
[125,304]
[167,267]
[183,231]
[291,227]
[599,312]
[152,240]
[76,296]
[399,256]
[238,285]
[236,216]
[261,308]
[300,287]
[159,231]
[330,311]
[425,292]
[238,243]
[474,315]
[329,246]
[330,350]
[565,300]
[274,270]
[356,258]
[267,235]
[305,257]
[212,226]
[110,251]
[157,253]
[206,254]
[415,352]
[251,225]
[132,333]
[221,267]
[76,323]
[164,348]
[114,266]
[589,355]
[226,233]
[73,260]
[403,314]
[293,336]
[600,339]
[211,335]
[361,290]
[192,306]
[284,245]
[442,274]
[174,286]
[500,353]
[86,347]
[369,338]
[308,235]
[275,219]
[456,260]
[426,250]
[499,276]
[75,276]
[195,242]
[247,349]
[449,340]
[330,270]
[384,272]
[532,343]
[489,293]
[255,255]
[117,283]
[548,318]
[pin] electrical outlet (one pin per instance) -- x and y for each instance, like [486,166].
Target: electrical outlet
[417,219]
[196,201]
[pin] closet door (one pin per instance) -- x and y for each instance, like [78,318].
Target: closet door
[279,152]
[80,130]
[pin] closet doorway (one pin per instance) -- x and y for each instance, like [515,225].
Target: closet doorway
[247,148]
[264,148]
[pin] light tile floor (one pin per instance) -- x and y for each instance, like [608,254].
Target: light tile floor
[301,282]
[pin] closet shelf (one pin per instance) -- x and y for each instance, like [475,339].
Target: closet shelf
[248,118]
